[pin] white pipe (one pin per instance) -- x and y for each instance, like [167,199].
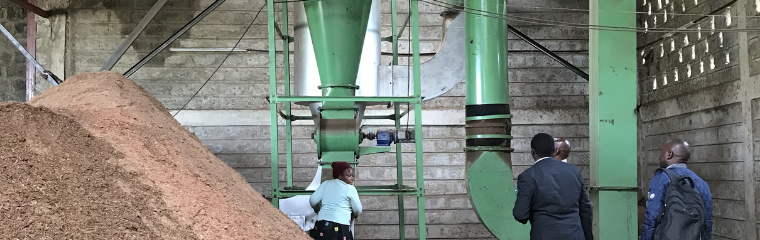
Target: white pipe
[306,77]
[370,61]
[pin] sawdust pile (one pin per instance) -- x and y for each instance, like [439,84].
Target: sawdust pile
[99,158]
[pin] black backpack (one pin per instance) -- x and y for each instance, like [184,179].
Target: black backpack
[683,215]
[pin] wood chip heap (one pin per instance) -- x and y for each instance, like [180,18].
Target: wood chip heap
[99,158]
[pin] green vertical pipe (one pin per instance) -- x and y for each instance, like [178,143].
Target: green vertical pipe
[286,69]
[486,61]
[394,31]
[488,161]
[273,105]
[414,10]
[400,177]
[612,121]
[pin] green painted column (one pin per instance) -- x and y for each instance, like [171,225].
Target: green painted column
[288,106]
[273,126]
[488,152]
[612,121]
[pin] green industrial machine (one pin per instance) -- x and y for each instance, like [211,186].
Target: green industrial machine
[488,124]
[337,135]
[337,32]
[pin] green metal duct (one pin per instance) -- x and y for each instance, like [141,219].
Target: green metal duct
[488,126]
[486,55]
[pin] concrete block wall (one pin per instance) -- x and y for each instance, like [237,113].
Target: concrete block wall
[756,153]
[752,12]
[696,86]
[231,114]
[12,62]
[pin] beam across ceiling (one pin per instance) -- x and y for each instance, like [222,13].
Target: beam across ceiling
[111,62]
[31,8]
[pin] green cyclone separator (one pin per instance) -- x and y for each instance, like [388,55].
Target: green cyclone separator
[337,31]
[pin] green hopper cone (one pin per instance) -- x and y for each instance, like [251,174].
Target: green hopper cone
[337,31]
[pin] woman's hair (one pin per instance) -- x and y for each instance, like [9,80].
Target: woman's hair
[339,168]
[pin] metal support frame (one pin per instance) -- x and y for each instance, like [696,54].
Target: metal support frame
[400,32]
[286,72]
[173,38]
[373,100]
[52,78]
[108,65]
[414,101]
[31,45]
[31,8]
[548,52]
[612,120]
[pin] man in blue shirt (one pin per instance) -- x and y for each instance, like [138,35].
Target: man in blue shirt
[673,155]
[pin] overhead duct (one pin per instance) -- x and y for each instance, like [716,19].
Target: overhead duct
[438,75]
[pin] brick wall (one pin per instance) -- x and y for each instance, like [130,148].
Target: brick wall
[690,87]
[231,114]
[753,11]
[756,153]
[12,63]
[753,21]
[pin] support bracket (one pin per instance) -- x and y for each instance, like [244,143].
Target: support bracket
[612,188]
[372,150]
[52,78]
[31,8]
[173,38]
[124,46]
[548,52]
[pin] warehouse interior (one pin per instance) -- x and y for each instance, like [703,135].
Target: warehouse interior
[616,78]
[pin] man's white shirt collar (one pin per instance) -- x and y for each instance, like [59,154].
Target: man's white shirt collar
[541,159]
[564,161]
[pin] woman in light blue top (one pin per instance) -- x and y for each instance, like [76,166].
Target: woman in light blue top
[336,203]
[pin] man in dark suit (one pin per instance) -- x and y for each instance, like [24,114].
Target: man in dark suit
[551,195]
